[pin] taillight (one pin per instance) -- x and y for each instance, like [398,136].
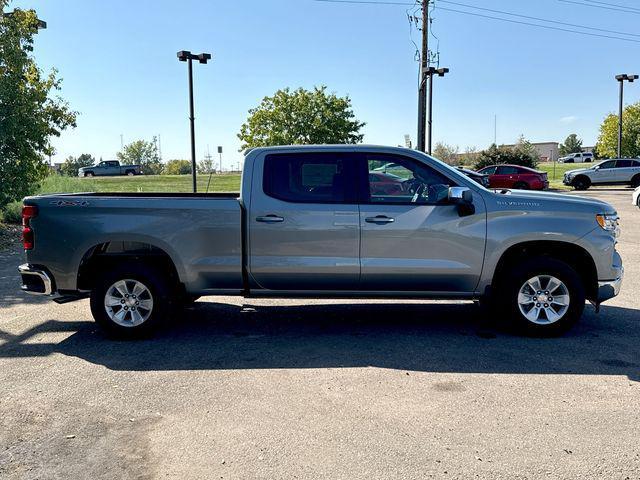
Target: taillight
[28,212]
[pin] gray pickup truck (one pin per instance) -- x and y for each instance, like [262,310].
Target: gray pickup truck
[109,168]
[315,222]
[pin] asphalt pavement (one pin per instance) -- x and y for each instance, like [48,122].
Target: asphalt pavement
[338,389]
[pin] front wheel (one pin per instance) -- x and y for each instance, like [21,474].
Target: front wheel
[131,302]
[542,297]
[88,174]
[581,183]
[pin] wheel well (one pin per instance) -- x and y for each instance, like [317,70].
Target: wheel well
[577,257]
[582,177]
[105,255]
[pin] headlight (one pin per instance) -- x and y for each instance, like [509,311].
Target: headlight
[609,222]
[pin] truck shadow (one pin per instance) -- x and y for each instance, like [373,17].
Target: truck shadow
[411,337]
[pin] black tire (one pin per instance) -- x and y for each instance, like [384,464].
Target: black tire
[509,289]
[161,295]
[88,174]
[130,173]
[581,183]
[521,186]
[635,181]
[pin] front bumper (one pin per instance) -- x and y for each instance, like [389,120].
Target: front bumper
[610,288]
[36,280]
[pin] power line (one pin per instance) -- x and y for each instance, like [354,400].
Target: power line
[613,5]
[539,19]
[547,27]
[539,26]
[605,7]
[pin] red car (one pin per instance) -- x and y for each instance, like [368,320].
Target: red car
[385,184]
[515,176]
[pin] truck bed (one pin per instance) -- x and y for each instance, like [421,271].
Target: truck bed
[201,233]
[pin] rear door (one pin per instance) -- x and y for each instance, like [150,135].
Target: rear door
[624,171]
[506,176]
[303,221]
[412,240]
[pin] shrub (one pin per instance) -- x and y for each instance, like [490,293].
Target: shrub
[522,154]
[177,167]
[12,212]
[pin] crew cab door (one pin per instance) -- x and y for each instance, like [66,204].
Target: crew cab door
[415,240]
[303,222]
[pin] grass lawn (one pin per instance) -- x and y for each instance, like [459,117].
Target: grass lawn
[555,180]
[140,183]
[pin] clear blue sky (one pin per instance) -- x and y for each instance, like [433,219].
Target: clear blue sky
[118,61]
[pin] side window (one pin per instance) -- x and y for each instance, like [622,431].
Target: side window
[505,170]
[623,163]
[102,164]
[635,164]
[488,170]
[405,181]
[309,178]
[609,164]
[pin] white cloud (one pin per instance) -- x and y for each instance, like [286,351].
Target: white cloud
[568,119]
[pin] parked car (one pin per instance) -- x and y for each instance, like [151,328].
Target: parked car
[515,176]
[308,224]
[385,183]
[622,171]
[109,168]
[636,197]
[577,158]
[476,176]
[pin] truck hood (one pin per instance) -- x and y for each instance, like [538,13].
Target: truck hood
[551,201]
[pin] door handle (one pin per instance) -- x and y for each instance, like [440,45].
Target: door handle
[270,219]
[379,219]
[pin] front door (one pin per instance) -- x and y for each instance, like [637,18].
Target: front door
[303,222]
[605,173]
[414,240]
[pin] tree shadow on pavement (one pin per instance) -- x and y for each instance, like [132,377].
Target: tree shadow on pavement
[417,337]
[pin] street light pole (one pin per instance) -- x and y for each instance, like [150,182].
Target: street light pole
[621,79]
[186,56]
[431,71]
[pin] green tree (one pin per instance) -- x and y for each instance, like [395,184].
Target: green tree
[447,153]
[607,146]
[29,113]
[142,153]
[72,164]
[572,144]
[177,167]
[301,117]
[520,154]
[206,165]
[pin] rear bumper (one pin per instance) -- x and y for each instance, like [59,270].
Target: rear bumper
[36,280]
[610,288]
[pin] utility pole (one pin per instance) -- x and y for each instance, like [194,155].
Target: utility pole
[424,65]
[433,71]
[220,153]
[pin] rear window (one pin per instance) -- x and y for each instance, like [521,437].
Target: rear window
[506,170]
[624,163]
[308,178]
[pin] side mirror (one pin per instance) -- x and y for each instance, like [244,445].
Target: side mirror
[597,167]
[460,195]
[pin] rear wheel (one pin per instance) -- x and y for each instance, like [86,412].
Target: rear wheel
[521,186]
[635,181]
[131,301]
[581,183]
[541,297]
[130,173]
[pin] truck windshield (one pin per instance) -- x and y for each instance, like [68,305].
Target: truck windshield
[455,173]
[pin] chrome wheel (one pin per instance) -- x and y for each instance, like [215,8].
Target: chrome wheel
[128,303]
[543,299]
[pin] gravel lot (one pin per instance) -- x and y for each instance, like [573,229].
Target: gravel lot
[321,389]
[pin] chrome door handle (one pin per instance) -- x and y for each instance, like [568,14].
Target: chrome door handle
[379,219]
[270,219]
